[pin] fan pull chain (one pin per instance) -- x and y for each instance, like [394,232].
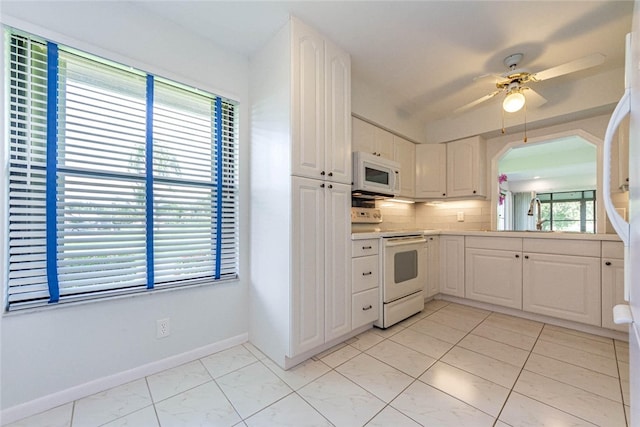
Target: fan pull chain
[525,123]
[503,129]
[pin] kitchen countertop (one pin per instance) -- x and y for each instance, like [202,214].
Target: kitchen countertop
[527,234]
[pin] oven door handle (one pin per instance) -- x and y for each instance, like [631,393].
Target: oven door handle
[403,242]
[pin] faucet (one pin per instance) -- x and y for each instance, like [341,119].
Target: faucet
[535,202]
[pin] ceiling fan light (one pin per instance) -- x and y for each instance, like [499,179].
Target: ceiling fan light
[513,102]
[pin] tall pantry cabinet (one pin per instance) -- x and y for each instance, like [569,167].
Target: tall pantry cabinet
[300,291]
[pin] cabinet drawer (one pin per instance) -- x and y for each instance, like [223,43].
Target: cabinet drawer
[364,271]
[365,308]
[562,247]
[499,243]
[364,247]
[613,250]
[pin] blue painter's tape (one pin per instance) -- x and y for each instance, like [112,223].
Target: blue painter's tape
[149,182]
[51,179]
[219,165]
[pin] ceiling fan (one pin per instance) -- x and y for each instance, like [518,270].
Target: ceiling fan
[514,82]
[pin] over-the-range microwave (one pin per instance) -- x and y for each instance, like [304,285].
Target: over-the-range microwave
[374,176]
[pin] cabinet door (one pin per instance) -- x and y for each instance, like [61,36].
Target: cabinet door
[404,152]
[612,292]
[362,136]
[433,266]
[337,256]
[452,265]
[308,103]
[494,276]
[431,170]
[383,143]
[562,286]
[308,270]
[337,114]
[465,168]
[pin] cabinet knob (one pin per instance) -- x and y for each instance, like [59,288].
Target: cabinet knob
[517,256]
[330,186]
[366,247]
[369,307]
[444,194]
[322,173]
[526,257]
[367,273]
[607,263]
[321,185]
[330,173]
[375,154]
[474,191]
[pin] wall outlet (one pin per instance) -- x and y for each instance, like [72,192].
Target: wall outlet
[461,216]
[162,328]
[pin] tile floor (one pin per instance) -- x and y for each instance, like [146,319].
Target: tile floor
[450,365]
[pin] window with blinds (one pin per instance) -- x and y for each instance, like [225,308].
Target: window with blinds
[120,181]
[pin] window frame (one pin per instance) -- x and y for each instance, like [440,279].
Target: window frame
[223,137]
[583,200]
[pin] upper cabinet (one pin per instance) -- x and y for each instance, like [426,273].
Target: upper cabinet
[431,171]
[321,117]
[466,167]
[372,139]
[455,169]
[404,152]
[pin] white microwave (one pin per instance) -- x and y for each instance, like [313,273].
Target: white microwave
[374,176]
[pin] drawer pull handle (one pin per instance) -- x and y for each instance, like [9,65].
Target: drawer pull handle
[517,256]
[366,247]
[369,307]
[368,273]
[607,263]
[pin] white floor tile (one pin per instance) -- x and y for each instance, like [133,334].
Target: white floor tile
[604,365]
[586,379]
[366,340]
[521,411]
[173,381]
[391,417]
[431,407]
[622,350]
[56,417]
[505,336]
[454,320]
[252,388]
[577,333]
[580,403]
[409,361]
[423,343]
[380,379]
[485,367]
[514,324]
[109,405]
[292,411]
[340,356]
[223,362]
[503,352]
[605,349]
[342,402]
[386,333]
[438,330]
[471,389]
[204,405]
[143,418]
[299,375]
[435,304]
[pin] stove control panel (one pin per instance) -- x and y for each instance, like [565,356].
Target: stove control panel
[366,216]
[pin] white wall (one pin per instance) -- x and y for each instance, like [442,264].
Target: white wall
[57,348]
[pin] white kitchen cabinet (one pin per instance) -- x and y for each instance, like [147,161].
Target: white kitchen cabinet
[612,283]
[562,286]
[432,286]
[493,270]
[371,139]
[431,171]
[300,237]
[452,265]
[404,152]
[466,167]
[321,121]
[365,281]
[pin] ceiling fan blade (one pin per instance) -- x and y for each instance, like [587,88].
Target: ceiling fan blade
[534,99]
[476,102]
[570,67]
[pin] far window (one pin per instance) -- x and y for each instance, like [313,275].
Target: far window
[569,211]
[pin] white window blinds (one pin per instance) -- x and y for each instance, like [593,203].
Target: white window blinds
[119,181]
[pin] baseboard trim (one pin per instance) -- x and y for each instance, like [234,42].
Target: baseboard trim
[61,397]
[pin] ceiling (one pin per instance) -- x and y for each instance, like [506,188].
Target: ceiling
[423,56]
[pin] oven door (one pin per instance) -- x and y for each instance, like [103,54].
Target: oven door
[404,266]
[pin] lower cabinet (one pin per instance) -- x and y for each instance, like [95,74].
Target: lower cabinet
[432,285]
[612,283]
[562,286]
[452,265]
[494,276]
[365,268]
